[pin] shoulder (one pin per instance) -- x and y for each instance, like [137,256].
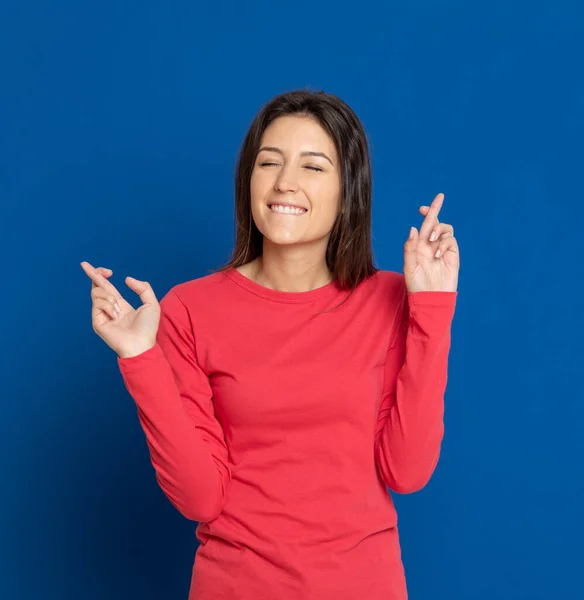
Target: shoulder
[200,290]
[384,294]
[390,283]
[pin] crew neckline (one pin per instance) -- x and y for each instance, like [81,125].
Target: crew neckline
[279,295]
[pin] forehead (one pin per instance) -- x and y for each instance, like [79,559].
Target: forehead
[298,133]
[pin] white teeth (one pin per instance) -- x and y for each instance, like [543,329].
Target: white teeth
[287,209]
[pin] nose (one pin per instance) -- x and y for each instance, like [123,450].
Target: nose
[286,181]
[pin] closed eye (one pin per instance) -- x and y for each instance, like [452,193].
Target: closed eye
[273,164]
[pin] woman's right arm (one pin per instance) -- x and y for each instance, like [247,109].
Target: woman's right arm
[157,358]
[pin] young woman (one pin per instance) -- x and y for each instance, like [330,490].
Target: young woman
[282,394]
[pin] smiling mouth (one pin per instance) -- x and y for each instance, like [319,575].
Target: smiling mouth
[287,210]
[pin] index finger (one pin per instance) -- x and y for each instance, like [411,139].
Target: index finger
[99,280]
[432,216]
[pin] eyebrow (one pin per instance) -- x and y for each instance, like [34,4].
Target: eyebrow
[305,153]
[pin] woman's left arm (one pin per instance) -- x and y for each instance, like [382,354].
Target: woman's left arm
[410,424]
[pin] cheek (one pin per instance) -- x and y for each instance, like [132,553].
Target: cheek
[259,185]
[326,194]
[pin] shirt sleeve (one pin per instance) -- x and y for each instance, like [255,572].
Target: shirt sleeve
[175,406]
[410,425]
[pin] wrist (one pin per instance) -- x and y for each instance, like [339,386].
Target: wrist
[135,350]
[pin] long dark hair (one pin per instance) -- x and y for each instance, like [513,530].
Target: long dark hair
[349,255]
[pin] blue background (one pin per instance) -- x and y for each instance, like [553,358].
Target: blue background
[120,123]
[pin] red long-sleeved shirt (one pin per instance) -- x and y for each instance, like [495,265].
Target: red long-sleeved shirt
[279,429]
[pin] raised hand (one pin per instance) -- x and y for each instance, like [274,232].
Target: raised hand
[125,330]
[431,257]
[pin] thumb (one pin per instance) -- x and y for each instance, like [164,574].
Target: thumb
[143,289]
[410,261]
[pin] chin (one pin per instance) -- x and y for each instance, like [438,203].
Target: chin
[283,240]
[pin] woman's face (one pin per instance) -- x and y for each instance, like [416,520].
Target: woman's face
[297,164]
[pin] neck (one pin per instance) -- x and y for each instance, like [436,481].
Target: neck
[290,271]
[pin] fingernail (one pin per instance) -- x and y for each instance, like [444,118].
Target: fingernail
[117,307]
[433,236]
[437,253]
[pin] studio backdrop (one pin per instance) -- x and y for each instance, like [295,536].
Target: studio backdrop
[120,124]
